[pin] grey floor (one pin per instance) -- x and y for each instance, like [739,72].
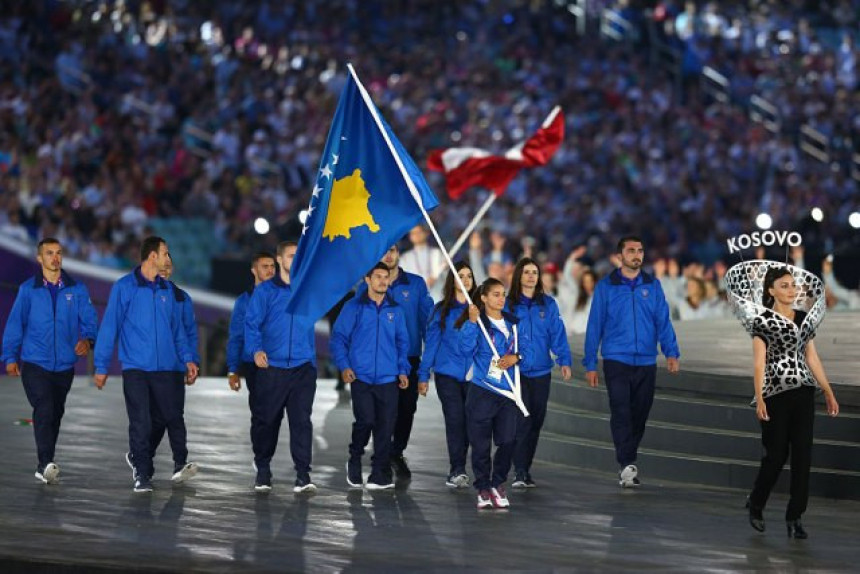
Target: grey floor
[575,520]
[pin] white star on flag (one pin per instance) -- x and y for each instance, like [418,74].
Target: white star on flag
[326,171]
[334,161]
[316,192]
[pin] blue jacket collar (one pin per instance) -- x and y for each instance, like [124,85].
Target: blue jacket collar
[615,277]
[365,299]
[402,278]
[160,283]
[39,279]
[278,282]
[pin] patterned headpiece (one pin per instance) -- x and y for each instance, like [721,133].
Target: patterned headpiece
[745,287]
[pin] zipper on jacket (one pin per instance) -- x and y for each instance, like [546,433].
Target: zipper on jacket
[155,325]
[376,353]
[55,326]
[635,330]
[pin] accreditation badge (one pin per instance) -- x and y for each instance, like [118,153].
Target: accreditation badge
[494,374]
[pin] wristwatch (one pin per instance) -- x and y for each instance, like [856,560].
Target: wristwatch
[232,375]
[519,358]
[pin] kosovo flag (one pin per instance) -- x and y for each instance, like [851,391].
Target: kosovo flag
[366,197]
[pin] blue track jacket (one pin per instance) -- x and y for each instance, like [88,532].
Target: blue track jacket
[410,292]
[39,333]
[442,350]
[541,319]
[146,320]
[371,339]
[236,353]
[189,325]
[473,343]
[626,323]
[288,340]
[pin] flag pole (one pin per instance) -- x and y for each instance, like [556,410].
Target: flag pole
[472,224]
[516,395]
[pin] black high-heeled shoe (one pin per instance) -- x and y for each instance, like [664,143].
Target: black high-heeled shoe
[795,530]
[756,517]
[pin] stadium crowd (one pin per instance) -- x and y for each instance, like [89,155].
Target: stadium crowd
[112,113]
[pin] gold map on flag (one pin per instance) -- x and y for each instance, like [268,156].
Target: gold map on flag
[348,208]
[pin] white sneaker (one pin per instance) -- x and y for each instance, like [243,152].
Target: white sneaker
[500,497]
[50,474]
[183,473]
[627,478]
[485,500]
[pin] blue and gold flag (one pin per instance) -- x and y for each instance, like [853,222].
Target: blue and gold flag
[365,198]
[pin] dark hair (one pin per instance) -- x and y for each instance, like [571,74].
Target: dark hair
[262,255]
[770,278]
[150,245]
[583,296]
[517,282]
[628,239]
[449,292]
[47,241]
[284,244]
[379,265]
[485,287]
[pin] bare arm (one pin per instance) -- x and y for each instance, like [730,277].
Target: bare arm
[759,355]
[814,362]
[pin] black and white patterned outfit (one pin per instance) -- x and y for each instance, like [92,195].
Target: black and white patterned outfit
[789,385]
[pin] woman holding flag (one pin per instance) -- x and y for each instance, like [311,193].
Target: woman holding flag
[539,317]
[450,365]
[490,416]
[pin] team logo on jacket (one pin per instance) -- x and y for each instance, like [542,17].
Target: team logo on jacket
[405,294]
[542,314]
[164,299]
[69,297]
[644,292]
[390,317]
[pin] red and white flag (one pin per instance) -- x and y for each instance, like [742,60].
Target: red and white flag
[466,167]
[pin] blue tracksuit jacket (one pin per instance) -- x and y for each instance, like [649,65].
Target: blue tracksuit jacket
[443,353]
[371,339]
[189,325]
[287,339]
[144,318]
[473,343]
[627,323]
[410,292]
[236,353]
[39,333]
[541,319]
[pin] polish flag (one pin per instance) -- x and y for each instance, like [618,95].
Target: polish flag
[466,167]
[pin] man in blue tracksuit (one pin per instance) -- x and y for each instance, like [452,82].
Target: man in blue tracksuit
[239,361]
[183,469]
[284,351]
[51,324]
[629,316]
[142,318]
[410,292]
[370,346]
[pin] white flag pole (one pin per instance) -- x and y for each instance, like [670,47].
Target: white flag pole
[516,395]
[472,224]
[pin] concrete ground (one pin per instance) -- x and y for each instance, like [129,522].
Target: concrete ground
[574,520]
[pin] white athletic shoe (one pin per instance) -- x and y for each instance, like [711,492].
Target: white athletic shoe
[185,472]
[50,474]
[628,477]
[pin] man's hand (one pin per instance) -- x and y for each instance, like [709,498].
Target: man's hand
[404,381]
[673,365]
[508,361]
[422,388]
[348,375]
[191,372]
[12,370]
[566,372]
[591,378]
[261,359]
[100,381]
[82,348]
[235,382]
